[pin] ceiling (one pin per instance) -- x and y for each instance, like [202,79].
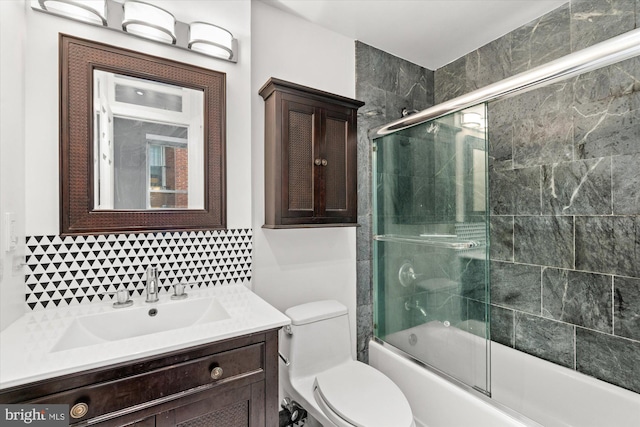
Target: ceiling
[430,33]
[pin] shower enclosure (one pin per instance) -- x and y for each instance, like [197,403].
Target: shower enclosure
[430,225]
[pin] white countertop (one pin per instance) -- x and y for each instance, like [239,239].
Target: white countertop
[25,346]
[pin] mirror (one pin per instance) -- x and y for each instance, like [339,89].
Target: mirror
[142,142]
[148,144]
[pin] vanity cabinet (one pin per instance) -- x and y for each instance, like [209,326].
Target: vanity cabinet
[310,156]
[230,383]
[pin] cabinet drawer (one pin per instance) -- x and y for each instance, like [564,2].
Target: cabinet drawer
[144,388]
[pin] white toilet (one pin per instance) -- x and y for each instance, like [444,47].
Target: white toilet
[324,379]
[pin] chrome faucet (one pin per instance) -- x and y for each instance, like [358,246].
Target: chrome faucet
[152,285]
[415,305]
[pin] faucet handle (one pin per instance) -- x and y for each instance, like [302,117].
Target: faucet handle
[122,299]
[178,291]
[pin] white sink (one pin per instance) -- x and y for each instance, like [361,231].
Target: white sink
[141,319]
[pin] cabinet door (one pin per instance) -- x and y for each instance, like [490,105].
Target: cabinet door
[300,128]
[147,422]
[337,198]
[233,408]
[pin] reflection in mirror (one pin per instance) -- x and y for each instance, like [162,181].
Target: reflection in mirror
[148,144]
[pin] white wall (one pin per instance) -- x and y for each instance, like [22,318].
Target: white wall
[12,166]
[289,266]
[42,217]
[298,265]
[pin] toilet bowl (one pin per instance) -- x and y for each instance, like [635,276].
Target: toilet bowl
[322,376]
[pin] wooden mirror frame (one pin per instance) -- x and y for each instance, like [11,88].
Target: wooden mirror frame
[78,59]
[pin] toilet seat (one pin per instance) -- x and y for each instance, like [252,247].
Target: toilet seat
[355,394]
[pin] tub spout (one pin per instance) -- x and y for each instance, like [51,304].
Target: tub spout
[415,305]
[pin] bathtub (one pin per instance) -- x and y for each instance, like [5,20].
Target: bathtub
[526,391]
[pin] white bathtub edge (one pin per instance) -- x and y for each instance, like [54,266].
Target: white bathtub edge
[453,405]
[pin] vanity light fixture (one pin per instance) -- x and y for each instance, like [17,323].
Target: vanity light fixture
[471,120]
[92,11]
[211,40]
[145,19]
[149,21]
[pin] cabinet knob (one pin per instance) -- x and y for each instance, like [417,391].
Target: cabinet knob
[79,410]
[324,162]
[216,373]
[318,162]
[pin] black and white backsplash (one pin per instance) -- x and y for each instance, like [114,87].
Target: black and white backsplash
[77,269]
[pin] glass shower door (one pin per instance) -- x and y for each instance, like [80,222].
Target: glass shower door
[431,284]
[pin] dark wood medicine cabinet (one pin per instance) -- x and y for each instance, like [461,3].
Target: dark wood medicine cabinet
[310,157]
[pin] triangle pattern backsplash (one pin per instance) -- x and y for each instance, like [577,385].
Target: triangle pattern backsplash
[76,269]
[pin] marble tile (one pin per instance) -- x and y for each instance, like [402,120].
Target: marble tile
[626,307]
[364,325]
[423,155]
[516,286]
[626,184]
[376,67]
[543,139]
[450,81]
[582,299]
[394,106]
[363,64]
[608,245]
[363,237]
[544,338]
[424,199]
[577,188]
[365,177]
[473,282]
[609,358]
[544,240]
[415,86]
[364,283]
[541,40]
[502,321]
[593,21]
[477,310]
[543,101]
[404,155]
[500,135]
[429,78]
[501,236]
[373,113]
[388,203]
[615,80]
[607,127]
[403,197]
[515,192]
[489,64]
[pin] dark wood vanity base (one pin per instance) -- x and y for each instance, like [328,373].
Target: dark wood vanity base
[229,383]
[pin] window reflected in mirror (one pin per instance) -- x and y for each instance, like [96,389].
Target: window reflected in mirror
[148,144]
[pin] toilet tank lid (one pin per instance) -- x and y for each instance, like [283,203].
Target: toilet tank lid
[315,311]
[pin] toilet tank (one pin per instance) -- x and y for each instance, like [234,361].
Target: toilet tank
[319,338]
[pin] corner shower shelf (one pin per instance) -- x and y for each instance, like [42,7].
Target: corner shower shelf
[444,241]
